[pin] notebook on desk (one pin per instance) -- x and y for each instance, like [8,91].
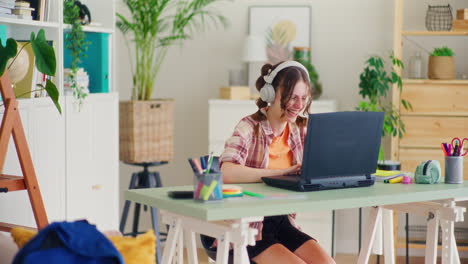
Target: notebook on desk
[340,151]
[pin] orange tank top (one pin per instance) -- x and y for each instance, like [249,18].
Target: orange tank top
[280,156]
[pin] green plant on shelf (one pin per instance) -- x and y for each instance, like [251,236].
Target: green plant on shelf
[375,83]
[44,59]
[442,52]
[75,42]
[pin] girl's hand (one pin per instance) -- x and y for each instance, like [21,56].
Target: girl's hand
[295,169]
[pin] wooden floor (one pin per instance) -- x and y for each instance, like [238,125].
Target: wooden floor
[344,259]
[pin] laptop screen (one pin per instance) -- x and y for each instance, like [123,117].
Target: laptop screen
[342,144]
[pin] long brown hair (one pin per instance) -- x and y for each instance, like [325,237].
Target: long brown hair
[286,79]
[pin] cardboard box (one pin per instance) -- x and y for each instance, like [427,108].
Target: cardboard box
[462,14]
[460,25]
[235,92]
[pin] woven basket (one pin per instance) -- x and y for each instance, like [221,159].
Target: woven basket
[441,67]
[146,131]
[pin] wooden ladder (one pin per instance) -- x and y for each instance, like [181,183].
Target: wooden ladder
[11,124]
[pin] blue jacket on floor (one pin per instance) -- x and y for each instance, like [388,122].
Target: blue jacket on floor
[69,242]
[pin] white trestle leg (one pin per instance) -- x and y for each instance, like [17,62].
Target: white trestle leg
[432,235]
[389,249]
[191,246]
[375,216]
[172,236]
[236,232]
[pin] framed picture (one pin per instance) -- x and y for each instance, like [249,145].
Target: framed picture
[282,27]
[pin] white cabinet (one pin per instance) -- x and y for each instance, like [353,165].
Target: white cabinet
[92,160]
[223,116]
[75,156]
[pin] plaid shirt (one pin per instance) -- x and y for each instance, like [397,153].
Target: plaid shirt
[249,146]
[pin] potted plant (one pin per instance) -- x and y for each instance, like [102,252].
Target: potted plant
[375,83]
[146,125]
[76,44]
[441,64]
[12,59]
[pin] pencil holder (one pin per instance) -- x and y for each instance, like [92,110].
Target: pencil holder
[208,187]
[454,169]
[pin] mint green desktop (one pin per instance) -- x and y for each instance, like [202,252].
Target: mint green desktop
[296,202]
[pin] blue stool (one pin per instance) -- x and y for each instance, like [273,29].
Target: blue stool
[140,180]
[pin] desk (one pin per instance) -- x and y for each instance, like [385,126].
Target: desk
[189,216]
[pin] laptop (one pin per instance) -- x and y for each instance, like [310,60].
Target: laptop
[340,151]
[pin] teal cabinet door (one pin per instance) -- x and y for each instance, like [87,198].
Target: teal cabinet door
[3,34]
[96,62]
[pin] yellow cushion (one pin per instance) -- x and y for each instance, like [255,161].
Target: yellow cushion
[22,235]
[134,250]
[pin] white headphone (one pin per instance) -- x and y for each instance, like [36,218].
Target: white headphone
[267,92]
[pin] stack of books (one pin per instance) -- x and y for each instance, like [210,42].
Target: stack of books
[22,10]
[82,80]
[381,175]
[6,7]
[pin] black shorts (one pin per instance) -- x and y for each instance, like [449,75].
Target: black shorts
[278,229]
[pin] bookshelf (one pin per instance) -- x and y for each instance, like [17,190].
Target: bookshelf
[439,111]
[75,154]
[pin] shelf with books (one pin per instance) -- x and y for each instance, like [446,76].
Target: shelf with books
[27,22]
[87,134]
[31,10]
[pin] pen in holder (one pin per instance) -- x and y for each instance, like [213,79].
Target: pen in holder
[208,187]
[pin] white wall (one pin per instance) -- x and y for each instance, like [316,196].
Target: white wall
[344,34]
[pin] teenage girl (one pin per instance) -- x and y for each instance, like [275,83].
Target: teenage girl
[270,142]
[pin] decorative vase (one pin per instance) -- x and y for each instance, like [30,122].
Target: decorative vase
[441,68]
[146,130]
[415,66]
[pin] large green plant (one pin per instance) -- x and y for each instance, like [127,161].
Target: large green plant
[44,59]
[375,83]
[75,42]
[155,25]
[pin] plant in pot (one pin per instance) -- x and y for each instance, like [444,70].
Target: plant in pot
[441,64]
[146,125]
[77,46]
[375,83]
[12,60]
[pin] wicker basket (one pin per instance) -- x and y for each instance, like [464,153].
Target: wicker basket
[146,131]
[441,68]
